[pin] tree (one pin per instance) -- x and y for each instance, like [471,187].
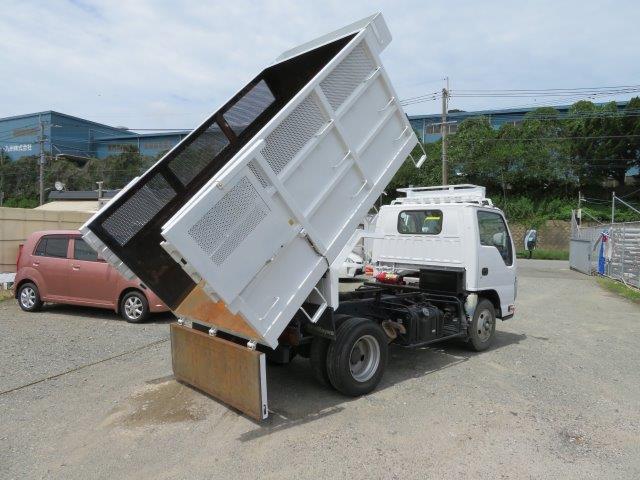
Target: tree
[609,143]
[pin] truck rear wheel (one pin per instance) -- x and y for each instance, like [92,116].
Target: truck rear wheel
[483,326]
[356,359]
[318,353]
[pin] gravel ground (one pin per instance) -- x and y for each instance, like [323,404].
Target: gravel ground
[85,395]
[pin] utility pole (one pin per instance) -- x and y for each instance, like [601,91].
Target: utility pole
[41,162]
[613,206]
[1,176]
[443,131]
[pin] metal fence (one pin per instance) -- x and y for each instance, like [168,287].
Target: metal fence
[619,258]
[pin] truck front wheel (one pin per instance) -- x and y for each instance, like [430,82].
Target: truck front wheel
[483,326]
[356,359]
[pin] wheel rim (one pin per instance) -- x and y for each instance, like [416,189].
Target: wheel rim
[485,325]
[364,358]
[133,308]
[28,297]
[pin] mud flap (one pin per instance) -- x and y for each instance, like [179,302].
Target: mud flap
[231,373]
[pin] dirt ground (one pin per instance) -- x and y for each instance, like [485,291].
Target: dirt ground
[86,395]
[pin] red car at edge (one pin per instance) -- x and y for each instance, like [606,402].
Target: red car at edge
[58,266]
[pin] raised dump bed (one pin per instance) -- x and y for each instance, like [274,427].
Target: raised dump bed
[264,230]
[236,227]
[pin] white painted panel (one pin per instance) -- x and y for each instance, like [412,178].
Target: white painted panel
[375,157]
[338,206]
[277,292]
[373,104]
[318,169]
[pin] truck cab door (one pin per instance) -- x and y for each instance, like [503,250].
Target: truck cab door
[496,259]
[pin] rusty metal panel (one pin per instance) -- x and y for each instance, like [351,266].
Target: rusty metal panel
[227,371]
[198,306]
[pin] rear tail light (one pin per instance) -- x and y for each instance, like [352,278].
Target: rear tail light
[20,247]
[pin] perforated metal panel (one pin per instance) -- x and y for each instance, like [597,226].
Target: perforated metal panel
[138,210]
[249,107]
[229,221]
[293,133]
[260,175]
[350,73]
[194,158]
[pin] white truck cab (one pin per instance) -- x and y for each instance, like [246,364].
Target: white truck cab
[454,228]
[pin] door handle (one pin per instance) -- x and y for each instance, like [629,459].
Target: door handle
[75,267]
[485,271]
[35,264]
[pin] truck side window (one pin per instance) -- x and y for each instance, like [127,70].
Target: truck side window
[52,247]
[420,222]
[493,233]
[82,251]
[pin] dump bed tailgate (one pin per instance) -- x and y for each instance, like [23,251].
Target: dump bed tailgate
[262,232]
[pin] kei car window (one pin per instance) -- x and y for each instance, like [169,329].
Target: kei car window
[40,248]
[494,233]
[82,251]
[420,222]
[52,247]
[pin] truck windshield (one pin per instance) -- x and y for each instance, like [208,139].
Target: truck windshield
[493,233]
[420,222]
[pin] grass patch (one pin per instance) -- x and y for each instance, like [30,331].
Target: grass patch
[541,254]
[620,288]
[6,295]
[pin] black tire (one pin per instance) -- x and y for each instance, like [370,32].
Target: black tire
[369,356]
[318,353]
[482,330]
[29,297]
[318,359]
[134,307]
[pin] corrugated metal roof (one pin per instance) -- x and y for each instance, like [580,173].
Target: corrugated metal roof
[134,135]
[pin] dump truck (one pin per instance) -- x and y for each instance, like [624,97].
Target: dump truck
[242,228]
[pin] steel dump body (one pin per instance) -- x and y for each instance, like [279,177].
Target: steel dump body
[290,170]
[243,225]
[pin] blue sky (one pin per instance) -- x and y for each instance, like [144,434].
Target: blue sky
[162,64]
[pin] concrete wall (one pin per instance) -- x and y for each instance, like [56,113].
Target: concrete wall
[553,235]
[17,223]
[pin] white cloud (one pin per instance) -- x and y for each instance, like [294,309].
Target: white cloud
[163,64]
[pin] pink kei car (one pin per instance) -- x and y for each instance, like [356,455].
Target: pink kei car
[58,266]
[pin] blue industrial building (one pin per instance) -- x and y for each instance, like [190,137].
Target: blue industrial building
[428,126]
[72,136]
[62,134]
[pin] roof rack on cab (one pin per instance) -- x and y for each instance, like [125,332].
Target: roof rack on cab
[464,193]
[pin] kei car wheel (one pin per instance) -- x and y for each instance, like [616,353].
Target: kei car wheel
[29,298]
[134,307]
